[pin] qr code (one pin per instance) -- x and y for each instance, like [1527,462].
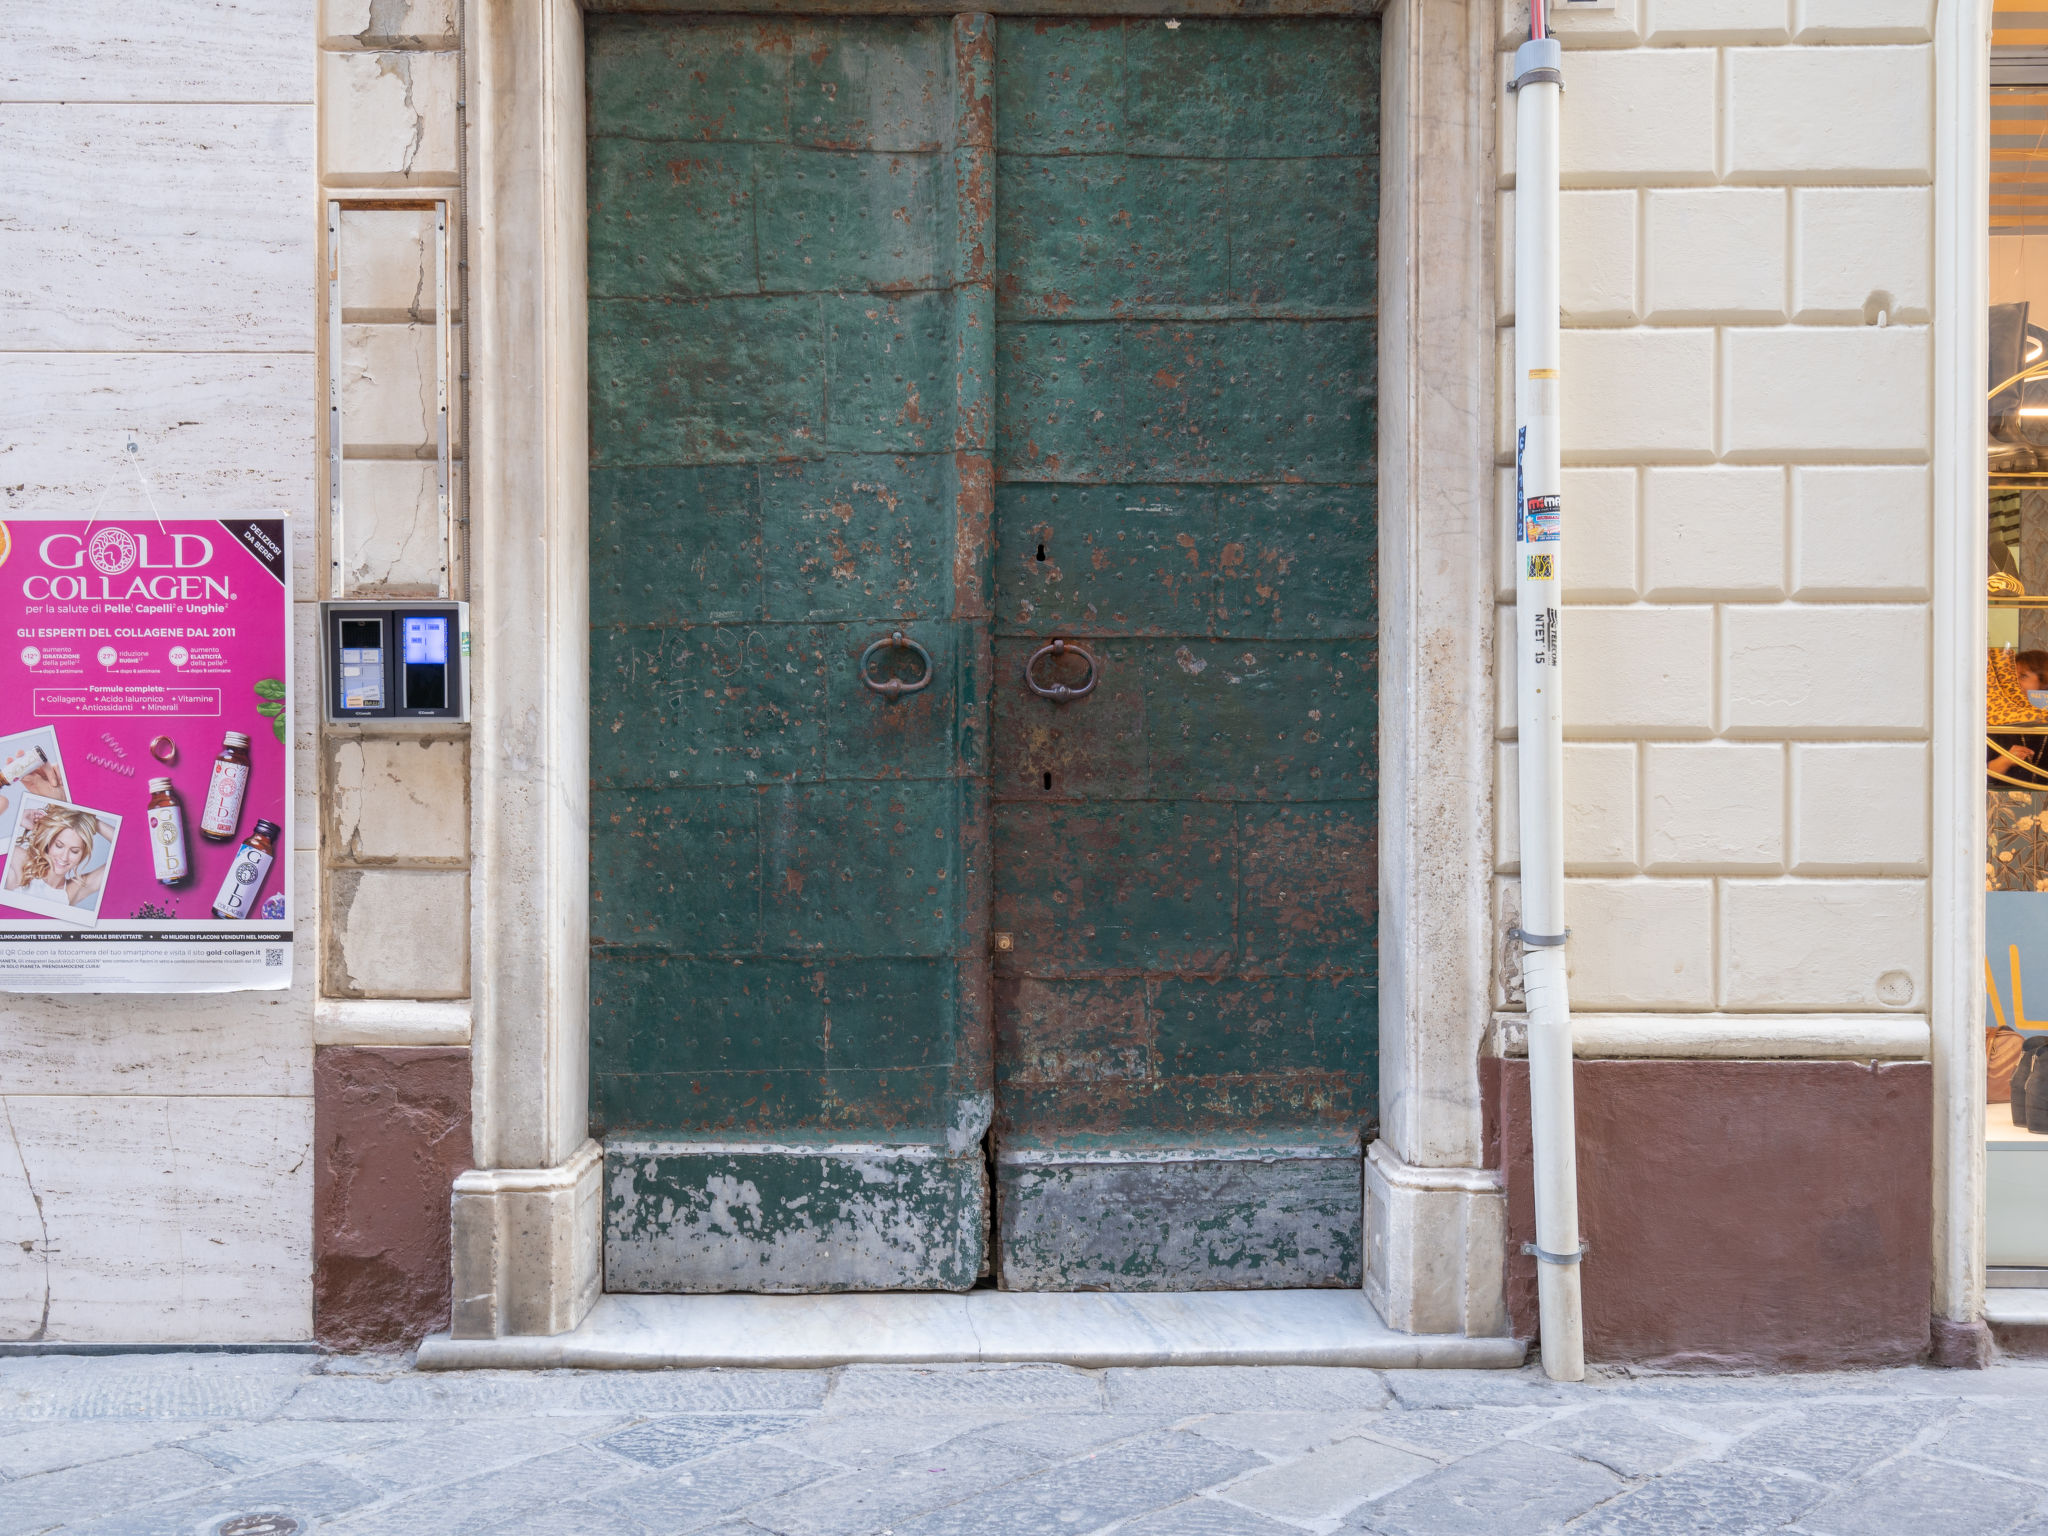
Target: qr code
[273,957]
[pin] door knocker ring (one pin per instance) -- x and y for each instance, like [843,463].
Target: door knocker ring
[1060,691]
[895,687]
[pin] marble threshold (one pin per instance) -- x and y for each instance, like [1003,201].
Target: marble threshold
[1090,1329]
[2015,1307]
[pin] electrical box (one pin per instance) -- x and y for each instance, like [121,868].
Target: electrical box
[395,661]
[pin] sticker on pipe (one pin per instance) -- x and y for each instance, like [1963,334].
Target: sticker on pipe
[1543,520]
[1541,568]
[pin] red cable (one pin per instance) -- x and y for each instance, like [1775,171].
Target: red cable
[1537,28]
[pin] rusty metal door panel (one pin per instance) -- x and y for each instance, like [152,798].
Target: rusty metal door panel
[846,83]
[1212,89]
[1243,560]
[1185,871]
[1206,400]
[789,321]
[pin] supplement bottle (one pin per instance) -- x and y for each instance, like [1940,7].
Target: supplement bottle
[21,764]
[225,789]
[244,882]
[167,834]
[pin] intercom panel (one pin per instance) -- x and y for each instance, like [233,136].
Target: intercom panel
[395,661]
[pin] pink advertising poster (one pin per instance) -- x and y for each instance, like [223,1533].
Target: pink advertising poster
[145,754]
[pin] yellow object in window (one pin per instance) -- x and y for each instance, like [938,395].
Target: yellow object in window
[2004,703]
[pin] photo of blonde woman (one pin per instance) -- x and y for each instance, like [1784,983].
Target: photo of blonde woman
[58,860]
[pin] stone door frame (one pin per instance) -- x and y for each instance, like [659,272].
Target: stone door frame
[527,1218]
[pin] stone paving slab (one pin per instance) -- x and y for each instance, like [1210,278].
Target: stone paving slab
[180,1445]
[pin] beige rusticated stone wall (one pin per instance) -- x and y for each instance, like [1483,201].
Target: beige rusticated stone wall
[1748,429]
[396,868]
[157,270]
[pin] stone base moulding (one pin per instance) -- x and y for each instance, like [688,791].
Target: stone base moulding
[1089,1329]
[1732,1036]
[1961,1346]
[526,1247]
[1435,1242]
[397,1021]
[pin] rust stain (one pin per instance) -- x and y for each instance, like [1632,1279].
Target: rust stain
[974,62]
[973,518]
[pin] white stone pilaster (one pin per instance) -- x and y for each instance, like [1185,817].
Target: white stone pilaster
[527,1220]
[1434,1217]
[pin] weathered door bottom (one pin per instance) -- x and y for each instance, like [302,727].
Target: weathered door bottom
[781,1218]
[1262,1216]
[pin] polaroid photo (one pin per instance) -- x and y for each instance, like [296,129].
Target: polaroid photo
[29,763]
[58,859]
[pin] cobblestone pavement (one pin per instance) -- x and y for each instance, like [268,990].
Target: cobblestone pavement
[261,1445]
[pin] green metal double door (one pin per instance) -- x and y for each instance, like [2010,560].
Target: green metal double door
[983,879]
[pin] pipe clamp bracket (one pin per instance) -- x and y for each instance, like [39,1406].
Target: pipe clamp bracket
[1541,940]
[1541,75]
[1545,1256]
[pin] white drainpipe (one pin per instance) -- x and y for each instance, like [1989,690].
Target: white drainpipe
[1539,705]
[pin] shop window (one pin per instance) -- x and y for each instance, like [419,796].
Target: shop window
[2016,665]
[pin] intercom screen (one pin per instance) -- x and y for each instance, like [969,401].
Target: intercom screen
[426,662]
[426,642]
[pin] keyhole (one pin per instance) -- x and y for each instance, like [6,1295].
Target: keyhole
[1048,781]
[1041,551]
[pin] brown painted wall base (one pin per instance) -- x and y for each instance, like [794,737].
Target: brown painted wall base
[390,1133]
[1741,1214]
